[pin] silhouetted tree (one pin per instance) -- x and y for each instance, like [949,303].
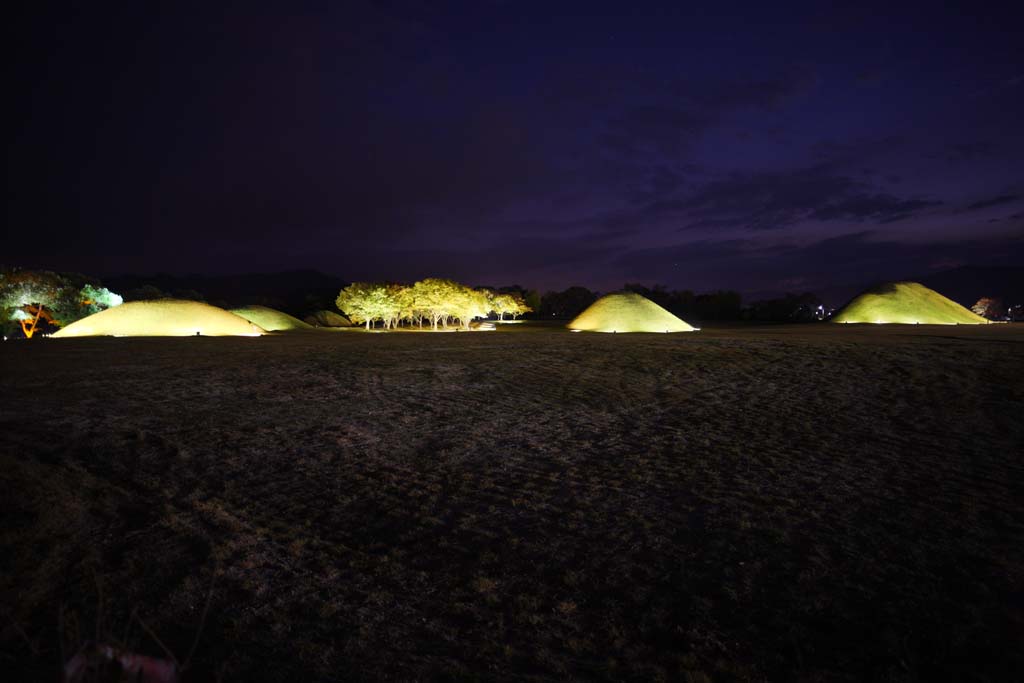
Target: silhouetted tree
[146,293]
[789,308]
[566,304]
[989,307]
[720,305]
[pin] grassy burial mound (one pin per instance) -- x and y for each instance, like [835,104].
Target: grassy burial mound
[328,319]
[164,318]
[627,312]
[270,319]
[905,303]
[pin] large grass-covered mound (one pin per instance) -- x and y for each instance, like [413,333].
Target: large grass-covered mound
[328,319]
[627,312]
[164,318]
[907,303]
[270,319]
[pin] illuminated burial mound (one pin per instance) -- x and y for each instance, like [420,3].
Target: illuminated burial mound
[163,318]
[328,319]
[269,319]
[627,312]
[906,303]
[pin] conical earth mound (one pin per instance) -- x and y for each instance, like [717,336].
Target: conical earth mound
[163,318]
[905,303]
[627,312]
[270,319]
[328,319]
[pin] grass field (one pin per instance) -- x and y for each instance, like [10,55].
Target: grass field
[800,503]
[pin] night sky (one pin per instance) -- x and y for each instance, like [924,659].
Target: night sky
[739,145]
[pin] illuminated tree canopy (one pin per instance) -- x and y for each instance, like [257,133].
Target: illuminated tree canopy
[34,297]
[502,304]
[436,301]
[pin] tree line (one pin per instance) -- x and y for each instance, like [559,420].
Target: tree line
[721,305]
[433,301]
[33,301]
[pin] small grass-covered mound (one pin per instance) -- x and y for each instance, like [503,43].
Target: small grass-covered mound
[906,303]
[627,312]
[328,319]
[163,318]
[270,319]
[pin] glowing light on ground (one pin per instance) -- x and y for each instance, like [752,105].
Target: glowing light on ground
[163,318]
[906,303]
[627,312]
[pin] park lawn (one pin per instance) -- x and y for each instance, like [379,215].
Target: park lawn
[816,503]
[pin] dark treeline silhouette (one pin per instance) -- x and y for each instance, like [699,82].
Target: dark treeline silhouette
[297,292]
[303,292]
[798,308]
[722,305]
[566,304]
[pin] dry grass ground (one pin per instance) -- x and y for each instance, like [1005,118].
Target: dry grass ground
[815,503]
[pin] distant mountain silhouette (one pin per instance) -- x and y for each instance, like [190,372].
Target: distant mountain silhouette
[967,284]
[296,292]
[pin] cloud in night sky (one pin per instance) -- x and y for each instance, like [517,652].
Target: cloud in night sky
[994,201]
[502,142]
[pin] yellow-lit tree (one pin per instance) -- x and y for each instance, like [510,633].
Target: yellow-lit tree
[519,306]
[432,298]
[438,300]
[366,302]
[467,304]
[501,304]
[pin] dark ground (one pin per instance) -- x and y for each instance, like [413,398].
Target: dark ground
[814,503]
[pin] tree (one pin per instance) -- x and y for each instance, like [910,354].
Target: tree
[34,297]
[532,299]
[365,302]
[500,304]
[567,304]
[467,303]
[519,306]
[96,299]
[989,307]
[394,304]
[28,297]
[720,305]
[146,293]
[432,298]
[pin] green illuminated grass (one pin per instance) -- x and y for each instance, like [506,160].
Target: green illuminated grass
[163,318]
[906,303]
[328,319]
[271,320]
[627,312]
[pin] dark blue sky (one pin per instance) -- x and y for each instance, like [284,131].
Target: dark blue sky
[741,145]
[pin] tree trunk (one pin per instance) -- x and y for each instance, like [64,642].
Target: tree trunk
[29,331]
